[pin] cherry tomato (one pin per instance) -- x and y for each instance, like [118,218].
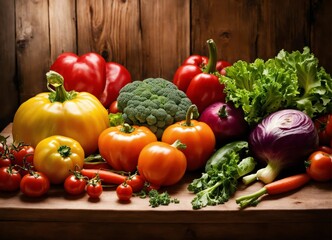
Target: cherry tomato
[325,149]
[10,179]
[75,184]
[323,125]
[124,192]
[319,166]
[113,107]
[94,187]
[136,182]
[23,153]
[5,161]
[35,184]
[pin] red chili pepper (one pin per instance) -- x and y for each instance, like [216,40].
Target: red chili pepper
[84,73]
[117,76]
[199,83]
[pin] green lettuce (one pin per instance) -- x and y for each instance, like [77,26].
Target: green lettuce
[290,80]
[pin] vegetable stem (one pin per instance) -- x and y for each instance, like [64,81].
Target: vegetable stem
[60,94]
[249,179]
[191,112]
[211,66]
[280,186]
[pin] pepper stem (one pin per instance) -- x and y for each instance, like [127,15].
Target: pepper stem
[212,63]
[179,145]
[192,112]
[56,81]
[64,151]
[126,128]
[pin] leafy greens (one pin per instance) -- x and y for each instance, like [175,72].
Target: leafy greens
[290,80]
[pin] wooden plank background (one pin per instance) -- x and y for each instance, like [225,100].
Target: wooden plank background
[149,37]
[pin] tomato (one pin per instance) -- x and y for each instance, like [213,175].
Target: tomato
[323,125]
[5,161]
[124,192]
[113,107]
[121,145]
[136,182]
[319,166]
[94,188]
[35,184]
[196,135]
[10,179]
[325,149]
[75,184]
[23,154]
[148,187]
[162,164]
[56,156]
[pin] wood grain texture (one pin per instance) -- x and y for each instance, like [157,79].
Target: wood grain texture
[148,37]
[282,25]
[233,25]
[32,45]
[62,25]
[166,31]
[8,89]
[321,32]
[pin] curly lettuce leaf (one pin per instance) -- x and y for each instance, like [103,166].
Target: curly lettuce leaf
[290,80]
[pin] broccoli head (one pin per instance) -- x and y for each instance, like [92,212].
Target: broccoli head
[154,102]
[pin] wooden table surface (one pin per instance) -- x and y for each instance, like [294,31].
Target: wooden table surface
[305,213]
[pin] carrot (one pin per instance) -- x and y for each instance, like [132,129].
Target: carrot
[106,176]
[280,186]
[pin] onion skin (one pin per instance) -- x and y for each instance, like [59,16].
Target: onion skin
[282,140]
[226,128]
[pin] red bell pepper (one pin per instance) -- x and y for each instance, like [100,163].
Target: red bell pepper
[199,83]
[84,73]
[90,73]
[117,76]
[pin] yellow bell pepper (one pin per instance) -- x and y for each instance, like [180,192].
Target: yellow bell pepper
[78,115]
[56,156]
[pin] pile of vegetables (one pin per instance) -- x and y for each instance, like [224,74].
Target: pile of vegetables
[231,123]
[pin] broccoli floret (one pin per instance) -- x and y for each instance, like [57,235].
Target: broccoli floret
[154,102]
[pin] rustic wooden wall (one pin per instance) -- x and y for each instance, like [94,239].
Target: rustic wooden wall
[150,37]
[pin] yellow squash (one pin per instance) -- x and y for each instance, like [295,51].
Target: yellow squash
[78,115]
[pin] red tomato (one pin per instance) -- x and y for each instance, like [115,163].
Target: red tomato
[325,149]
[124,192]
[5,161]
[94,188]
[75,184]
[323,125]
[319,166]
[23,153]
[35,184]
[136,182]
[10,179]
[113,107]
